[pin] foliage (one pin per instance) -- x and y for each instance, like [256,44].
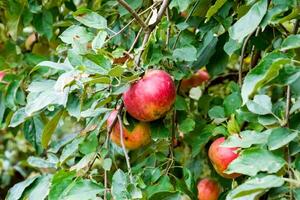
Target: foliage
[68,62]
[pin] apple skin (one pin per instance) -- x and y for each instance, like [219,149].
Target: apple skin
[208,189]
[195,80]
[221,157]
[2,74]
[151,97]
[138,137]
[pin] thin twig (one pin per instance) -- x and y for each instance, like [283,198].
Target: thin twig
[124,148]
[169,27]
[188,17]
[160,13]
[130,22]
[145,40]
[242,59]
[133,13]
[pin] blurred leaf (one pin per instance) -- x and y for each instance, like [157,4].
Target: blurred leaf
[82,189]
[185,53]
[50,128]
[60,181]
[84,162]
[232,103]
[17,190]
[254,187]
[76,33]
[246,139]
[116,71]
[180,103]
[216,112]
[182,5]
[11,94]
[53,65]
[99,40]
[40,163]
[291,42]
[242,27]
[254,160]
[280,137]
[70,149]
[107,162]
[18,117]
[214,9]
[90,18]
[187,125]
[41,190]
[163,185]
[267,69]
[260,105]
[119,185]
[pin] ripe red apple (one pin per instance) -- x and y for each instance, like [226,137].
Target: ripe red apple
[151,97]
[221,157]
[208,189]
[195,80]
[2,74]
[133,139]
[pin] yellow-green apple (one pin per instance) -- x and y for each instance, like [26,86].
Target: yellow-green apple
[208,189]
[139,136]
[151,97]
[221,157]
[195,80]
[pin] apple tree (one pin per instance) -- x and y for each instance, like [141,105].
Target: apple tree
[162,99]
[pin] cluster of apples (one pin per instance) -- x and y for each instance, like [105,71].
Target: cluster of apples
[149,99]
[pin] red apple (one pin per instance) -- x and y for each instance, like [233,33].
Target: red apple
[151,97]
[221,157]
[133,139]
[195,80]
[2,74]
[208,189]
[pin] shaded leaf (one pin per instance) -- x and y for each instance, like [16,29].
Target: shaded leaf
[280,137]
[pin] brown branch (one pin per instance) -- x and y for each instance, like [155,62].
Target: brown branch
[124,148]
[133,13]
[145,40]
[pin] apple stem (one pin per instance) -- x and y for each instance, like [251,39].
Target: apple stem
[124,148]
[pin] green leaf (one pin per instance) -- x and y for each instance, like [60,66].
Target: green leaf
[214,9]
[18,117]
[76,33]
[182,5]
[119,185]
[11,94]
[17,190]
[43,94]
[159,130]
[280,137]
[163,185]
[253,188]
[50,128]
[70,149]
[260,105]
[246,139]
[90,18]
[265,71]
[206,50]
[43,23]
[60,181]
[116,71]
[40,163]
[180,103]
[232,103]
[82,189]
[185,53]
[254,160]
[107,162]
[242,27]
[291,42]
[84,162]
[41,190]
[216,112]
[54,65]
[187,125]
[99,40]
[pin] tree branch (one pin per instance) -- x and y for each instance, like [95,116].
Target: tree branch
[134,14]
[124,148]
[160,13]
